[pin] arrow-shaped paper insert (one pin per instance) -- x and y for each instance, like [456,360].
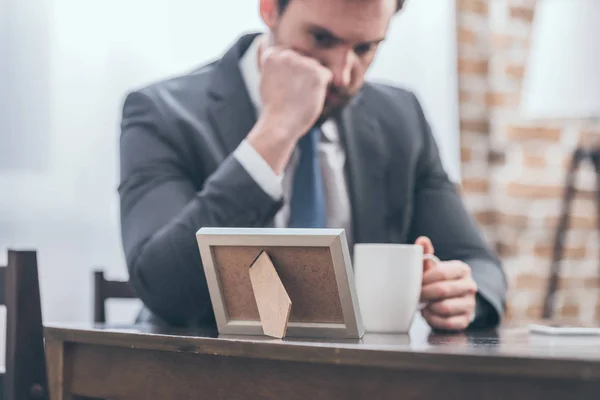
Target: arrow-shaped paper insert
[274,303]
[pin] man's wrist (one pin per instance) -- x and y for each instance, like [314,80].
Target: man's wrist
[273,142]
[259,170]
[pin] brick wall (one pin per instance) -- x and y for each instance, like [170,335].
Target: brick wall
[514,170]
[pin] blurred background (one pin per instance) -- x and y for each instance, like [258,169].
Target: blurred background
[66,65]
[529,95]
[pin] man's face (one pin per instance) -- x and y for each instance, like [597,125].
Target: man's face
[343,35]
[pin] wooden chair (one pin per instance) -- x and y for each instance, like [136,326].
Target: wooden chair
[106,289]
[24,376]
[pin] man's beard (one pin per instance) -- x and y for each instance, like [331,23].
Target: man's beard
[343,96]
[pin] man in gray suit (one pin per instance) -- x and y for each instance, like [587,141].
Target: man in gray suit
[283,131]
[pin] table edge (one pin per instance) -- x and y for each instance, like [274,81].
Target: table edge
[505,365]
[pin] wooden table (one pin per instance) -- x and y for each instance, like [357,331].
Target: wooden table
[140,362]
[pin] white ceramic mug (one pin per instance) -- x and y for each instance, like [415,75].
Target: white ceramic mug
[388,280]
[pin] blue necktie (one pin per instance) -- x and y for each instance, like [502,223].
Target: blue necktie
[307,206]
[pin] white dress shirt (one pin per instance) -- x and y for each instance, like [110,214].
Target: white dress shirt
[331,154]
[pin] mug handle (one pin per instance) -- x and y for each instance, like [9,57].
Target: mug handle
[436,260]
[431,257]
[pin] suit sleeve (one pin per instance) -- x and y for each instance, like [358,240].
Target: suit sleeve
[161,211]
[440,214]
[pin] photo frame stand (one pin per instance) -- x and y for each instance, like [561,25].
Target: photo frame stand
[273,301]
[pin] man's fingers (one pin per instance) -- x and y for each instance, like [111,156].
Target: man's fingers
[446,271]
[425,242]
[455,323]
[448,289]
[265,53]
[453,307]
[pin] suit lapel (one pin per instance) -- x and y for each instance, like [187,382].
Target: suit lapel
[365,168]
[232,112]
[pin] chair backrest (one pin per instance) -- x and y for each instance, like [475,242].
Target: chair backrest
[25,376]
[105,289]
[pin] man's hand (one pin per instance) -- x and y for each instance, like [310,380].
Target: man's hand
[293,90]
[448,291]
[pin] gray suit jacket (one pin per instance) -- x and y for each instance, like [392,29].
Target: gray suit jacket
[178,175]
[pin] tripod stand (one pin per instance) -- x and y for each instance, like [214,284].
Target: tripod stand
[580,155]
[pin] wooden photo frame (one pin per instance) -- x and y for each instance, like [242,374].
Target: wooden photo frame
[313,265]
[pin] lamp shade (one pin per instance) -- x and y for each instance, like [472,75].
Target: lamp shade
[562,78]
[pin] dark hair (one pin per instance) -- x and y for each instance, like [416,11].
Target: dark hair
[284,3]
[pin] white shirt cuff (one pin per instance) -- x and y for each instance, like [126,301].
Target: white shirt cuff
[259,170]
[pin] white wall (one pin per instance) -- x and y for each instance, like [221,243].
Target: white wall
[420,54]
[70,64]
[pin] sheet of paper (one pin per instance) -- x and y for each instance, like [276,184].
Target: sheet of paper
[567,330]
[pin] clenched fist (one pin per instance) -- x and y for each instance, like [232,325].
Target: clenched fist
[293,90]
